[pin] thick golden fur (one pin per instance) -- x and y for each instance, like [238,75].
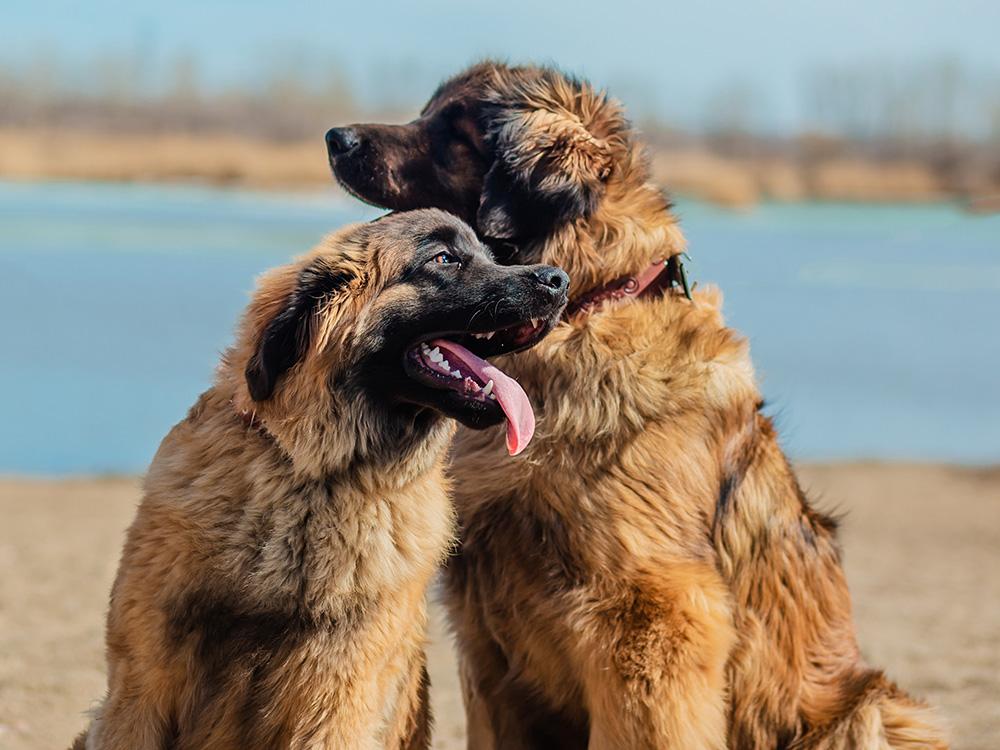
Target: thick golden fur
[648,572]
[271,592]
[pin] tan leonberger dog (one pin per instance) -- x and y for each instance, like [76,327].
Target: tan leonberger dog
[271,592]
[648,573]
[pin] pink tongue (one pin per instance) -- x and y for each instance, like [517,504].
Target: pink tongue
[511,397]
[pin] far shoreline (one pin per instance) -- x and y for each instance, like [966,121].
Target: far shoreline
[983,208]
[220,161]
[335,192]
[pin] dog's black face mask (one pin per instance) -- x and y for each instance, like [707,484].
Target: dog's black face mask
[452,308]
[436,161]
[512,167]
[443,306]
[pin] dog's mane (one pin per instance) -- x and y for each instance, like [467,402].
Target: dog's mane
[633,223]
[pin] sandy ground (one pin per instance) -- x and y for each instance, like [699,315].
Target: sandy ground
[922,553]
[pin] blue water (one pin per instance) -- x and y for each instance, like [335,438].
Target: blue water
[874,329]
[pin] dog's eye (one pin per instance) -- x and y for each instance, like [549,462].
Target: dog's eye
[446,259]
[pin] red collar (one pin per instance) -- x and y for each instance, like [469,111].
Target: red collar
[661,275]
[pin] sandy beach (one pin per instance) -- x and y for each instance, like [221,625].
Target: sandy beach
[922,550]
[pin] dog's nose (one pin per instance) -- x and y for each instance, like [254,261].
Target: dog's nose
[554,278]
[341,140]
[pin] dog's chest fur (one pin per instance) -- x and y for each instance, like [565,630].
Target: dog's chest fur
[275,609]
[553,543]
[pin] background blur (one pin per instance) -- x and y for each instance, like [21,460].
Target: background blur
[836,167]
[891,100]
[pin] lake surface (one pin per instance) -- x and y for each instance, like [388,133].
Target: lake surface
[874,329]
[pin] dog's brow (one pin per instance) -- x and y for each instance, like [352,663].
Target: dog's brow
[443,234]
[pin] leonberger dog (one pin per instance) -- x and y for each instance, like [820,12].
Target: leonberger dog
[649,572]
[271,592]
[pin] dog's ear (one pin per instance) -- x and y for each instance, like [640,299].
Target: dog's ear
[286,336]
[548,169]
[502,214]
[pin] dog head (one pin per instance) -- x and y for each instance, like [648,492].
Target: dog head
[389,322]
[515,151]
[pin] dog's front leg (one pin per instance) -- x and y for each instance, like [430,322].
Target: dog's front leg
[659,680]
[122,723]
[493,720]
[503,714]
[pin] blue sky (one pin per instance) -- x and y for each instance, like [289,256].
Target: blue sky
[663,58]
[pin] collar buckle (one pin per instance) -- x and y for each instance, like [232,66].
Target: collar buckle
[660,276]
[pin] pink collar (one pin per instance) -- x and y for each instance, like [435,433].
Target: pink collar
[661,275]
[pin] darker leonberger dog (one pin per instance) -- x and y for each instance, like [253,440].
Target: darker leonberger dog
[648,573]
[271,593]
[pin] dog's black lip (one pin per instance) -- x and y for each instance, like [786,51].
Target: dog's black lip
[482,347]
[478,347]
[349,189]
[468,401]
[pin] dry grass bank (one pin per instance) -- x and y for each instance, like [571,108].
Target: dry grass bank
[922,548]
[243,160]
[215,159]
[744,182]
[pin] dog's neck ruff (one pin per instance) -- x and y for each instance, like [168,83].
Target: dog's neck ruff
[249,419]
[659,277]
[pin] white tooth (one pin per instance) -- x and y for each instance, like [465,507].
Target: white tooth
[436,355]
[534,323]
[443,364]
[424,347]
[456,374]
[490,335]
[493,396]
[488,388]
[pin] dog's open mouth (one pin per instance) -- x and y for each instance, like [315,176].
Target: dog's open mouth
[456,362]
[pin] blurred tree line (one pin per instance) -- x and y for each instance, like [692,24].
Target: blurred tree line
[937,113]
[905,107]
[118,93]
